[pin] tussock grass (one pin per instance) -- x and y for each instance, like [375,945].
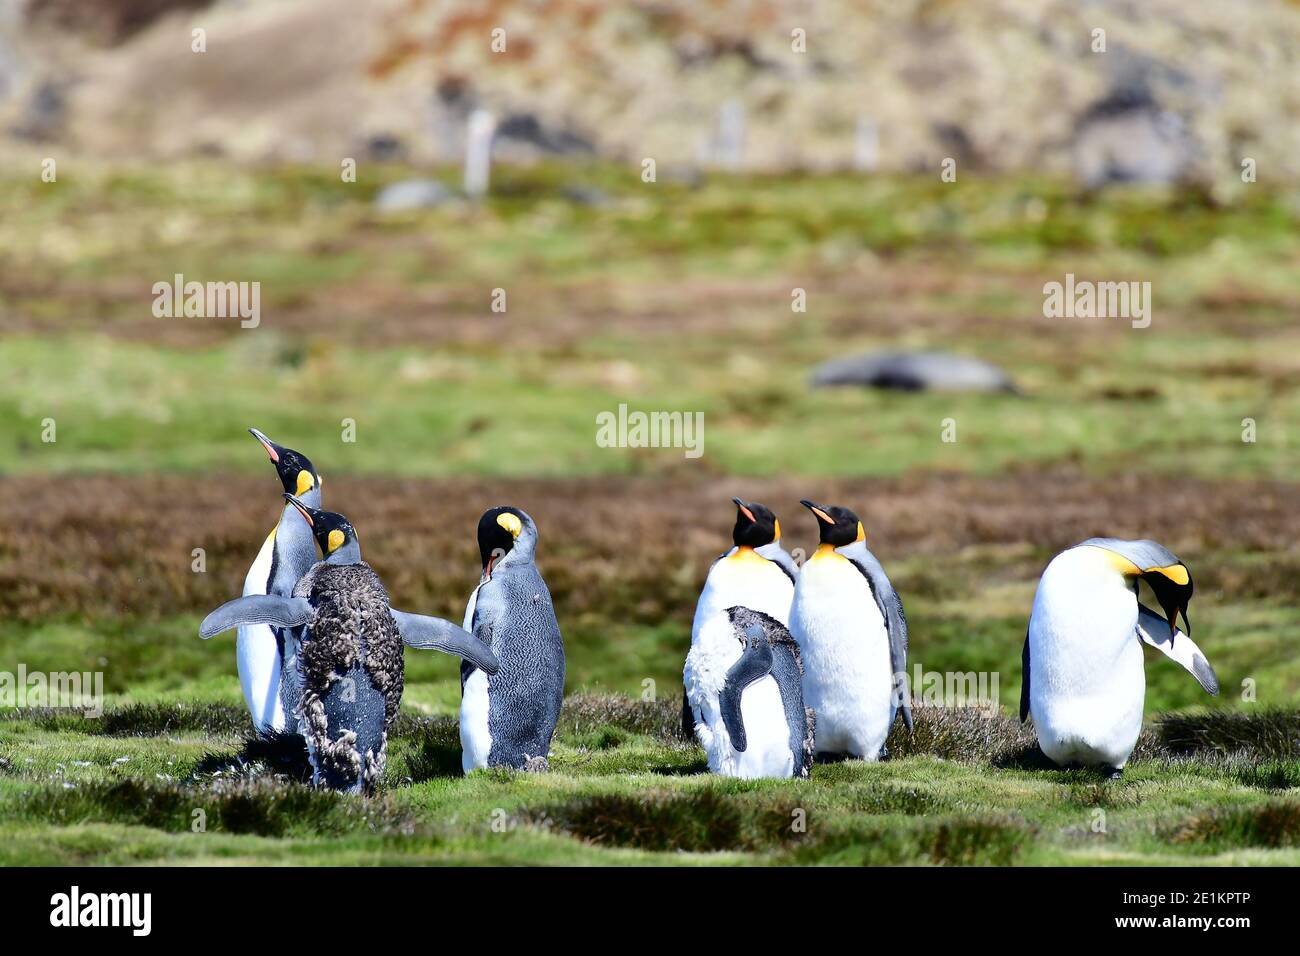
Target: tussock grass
[960,733]
[604,714]
[700,821]
[262,807]
[140,720]
[1273,824]
[1260,735]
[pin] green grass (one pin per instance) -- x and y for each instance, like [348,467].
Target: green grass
[164,785]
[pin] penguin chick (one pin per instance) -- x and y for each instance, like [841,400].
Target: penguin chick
[507,719]
[1084,643]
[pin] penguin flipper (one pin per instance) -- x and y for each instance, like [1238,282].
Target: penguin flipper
[754,664]
[1024,686]
[1153,629]
[435,634]
[270,609]
[891,609]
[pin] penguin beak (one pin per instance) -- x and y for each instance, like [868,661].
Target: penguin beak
[822,516]
[744,509]
[302,509]
[271,447]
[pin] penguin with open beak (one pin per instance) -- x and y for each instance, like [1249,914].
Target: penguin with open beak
[507,718]
[270,689]
[849,623]
[347,646]
[1084,674]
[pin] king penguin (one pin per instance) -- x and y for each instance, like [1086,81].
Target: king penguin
[507,718]
[757,573]
[347,645]
[285,557]
[849,623]
[744,680]
[1085,640]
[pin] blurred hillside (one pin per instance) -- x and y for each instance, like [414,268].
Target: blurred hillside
[899,85]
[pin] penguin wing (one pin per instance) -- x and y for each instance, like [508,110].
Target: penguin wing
[891,609]
[1024,687]
[256,609]
[1153,629]
[435,634]
[754,664]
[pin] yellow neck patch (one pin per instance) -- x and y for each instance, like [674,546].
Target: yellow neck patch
[746,553]
[335,540]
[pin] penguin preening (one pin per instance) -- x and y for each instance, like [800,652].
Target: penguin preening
[757,573]
[345,642]
[1084,644]
[271,692]
[849,623]
[743,680]
[507,718]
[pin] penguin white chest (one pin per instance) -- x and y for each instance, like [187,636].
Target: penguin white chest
[1087,680]
[848,678]
[258,655]
[767,752]
[475,736]
[744,578]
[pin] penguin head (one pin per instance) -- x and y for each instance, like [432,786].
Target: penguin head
[333,532]
[838,526]
[503,533]
[297,474]
[755,525]
[1169,579]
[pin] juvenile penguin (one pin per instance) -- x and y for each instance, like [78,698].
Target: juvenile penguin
[286,555]
[849,623]
[507,718]
[347,644]
[1085,643]
[756,573]
[744,681]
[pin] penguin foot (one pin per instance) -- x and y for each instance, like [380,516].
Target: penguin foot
[536,765]
[1112,773]
[884,753]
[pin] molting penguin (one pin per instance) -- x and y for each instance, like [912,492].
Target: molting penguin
[756,573]
[744,681]
[348,652]
[507,718]
[1084,642]
[270,690]
[850,626]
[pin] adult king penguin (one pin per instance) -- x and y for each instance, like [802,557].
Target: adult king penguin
[756,573]
[849,623]
[270,690]
[744,681]
[507,718]
[348,651]
[1085,645]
